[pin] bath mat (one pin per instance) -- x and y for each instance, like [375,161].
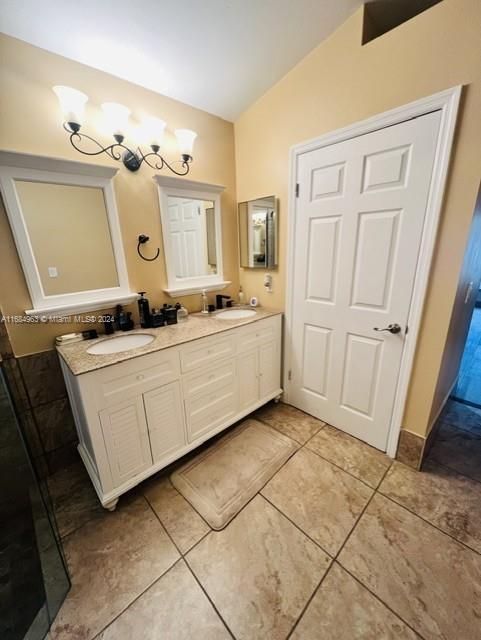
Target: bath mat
[221,480]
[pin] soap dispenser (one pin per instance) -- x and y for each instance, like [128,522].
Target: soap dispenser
[144,311]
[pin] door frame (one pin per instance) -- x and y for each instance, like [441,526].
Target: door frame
[447,102]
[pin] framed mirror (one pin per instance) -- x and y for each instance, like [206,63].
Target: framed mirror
[191,229]
[258,233]
[65,224]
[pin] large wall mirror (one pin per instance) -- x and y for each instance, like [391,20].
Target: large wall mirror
[258,233]
[191,230]
[64,220]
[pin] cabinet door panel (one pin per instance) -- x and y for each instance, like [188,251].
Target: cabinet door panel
[269,368]
[125,434]
[165,420]
[248,379]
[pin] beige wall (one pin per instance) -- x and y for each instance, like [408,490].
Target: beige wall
[30,122]
[342,82]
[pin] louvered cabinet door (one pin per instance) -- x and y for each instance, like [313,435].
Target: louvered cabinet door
[165,419]
[126,438]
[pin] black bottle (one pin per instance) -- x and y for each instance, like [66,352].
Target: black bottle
[144,311]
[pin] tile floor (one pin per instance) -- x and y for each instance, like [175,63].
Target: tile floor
[339,544]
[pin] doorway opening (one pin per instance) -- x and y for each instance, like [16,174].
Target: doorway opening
[468,387]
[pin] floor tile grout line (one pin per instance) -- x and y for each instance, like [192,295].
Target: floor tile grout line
[310,599]
[363,511]
[183,557]
[260,419]
[171,537]
[191,505]
[378,598]
[136,598]
[366,484]
[279,510]
[204,591]
[446,533]
[336,559]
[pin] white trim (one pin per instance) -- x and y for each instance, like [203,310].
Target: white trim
[57,165]
[447,102]
[26,167]
[186,291]
[166,186]
[80,307]
[187,185]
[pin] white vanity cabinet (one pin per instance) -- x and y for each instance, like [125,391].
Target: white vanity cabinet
[139,415]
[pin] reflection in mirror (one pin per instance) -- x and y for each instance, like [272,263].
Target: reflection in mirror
[193,236]
[258,233]
[70,237]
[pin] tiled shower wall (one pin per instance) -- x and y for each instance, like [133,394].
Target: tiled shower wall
[40,397]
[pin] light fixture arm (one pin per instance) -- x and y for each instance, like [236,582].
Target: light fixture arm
[132,160]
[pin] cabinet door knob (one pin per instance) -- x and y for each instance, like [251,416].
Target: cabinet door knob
[140,376]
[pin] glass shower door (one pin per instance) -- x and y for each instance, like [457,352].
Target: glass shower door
[33,577]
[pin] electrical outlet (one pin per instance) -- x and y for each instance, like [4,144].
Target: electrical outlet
[52,272]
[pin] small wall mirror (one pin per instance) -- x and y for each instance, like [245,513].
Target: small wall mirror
[64,220]
[191,230]
[258,233]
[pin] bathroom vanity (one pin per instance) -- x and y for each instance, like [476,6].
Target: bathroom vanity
[138,410]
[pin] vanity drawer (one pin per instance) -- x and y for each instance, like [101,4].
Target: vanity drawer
[127,379]
[208,381]
[207,411]
[257,334]
[207,351]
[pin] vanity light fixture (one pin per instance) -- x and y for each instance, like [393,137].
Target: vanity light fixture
[72,103]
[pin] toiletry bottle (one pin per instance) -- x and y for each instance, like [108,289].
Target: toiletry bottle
[182,313]
[118,313]
[241,296]
[144,312]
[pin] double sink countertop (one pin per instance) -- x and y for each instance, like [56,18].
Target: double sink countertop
[197,326]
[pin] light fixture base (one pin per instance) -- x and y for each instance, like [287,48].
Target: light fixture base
[74,127]
[131,161]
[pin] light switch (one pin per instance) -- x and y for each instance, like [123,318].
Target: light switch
[52,272]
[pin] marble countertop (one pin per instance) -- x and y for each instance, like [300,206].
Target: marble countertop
[197,326]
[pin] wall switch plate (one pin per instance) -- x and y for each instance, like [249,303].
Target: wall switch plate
[52,272]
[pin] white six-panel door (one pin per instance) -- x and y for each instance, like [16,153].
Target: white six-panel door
[358,228]
[187,232]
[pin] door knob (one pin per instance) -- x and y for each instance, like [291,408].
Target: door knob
[392,328]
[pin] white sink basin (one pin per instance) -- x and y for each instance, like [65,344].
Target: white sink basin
[120,343]
[235,314]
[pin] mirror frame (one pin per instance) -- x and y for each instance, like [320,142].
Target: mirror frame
[178,187]
[19,166]
[276,222]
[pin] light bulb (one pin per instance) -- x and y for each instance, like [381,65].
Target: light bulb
[153,131]
[116,118]
[72,103]
[185,138]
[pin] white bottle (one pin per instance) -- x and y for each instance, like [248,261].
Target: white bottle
[241,296]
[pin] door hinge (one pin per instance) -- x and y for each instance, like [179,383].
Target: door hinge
[297,189]
[406,330]
[289,375]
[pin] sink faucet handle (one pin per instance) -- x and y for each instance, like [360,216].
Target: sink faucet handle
[219,300]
